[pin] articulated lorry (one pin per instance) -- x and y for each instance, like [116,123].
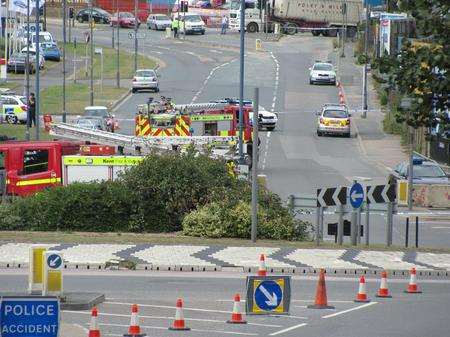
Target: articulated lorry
[324,17]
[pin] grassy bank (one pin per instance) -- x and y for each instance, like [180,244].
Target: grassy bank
[77,97]
[126,62]
[18,132]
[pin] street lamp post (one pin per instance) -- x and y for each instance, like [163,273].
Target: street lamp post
[64,9]
[27,72]
[118,44]
[91,96]
[241,81]
[405,104]
[37,86]
[135,34]
[366,47]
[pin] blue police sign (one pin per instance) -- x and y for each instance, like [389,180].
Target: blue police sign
[356,195]
[268,295]
[54,261]
[29,317]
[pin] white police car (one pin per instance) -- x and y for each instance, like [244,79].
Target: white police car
[322,72]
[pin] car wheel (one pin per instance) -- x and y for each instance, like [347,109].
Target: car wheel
[11,119]
[319,133]
[157,89]
[347,135]
[80,19]
[270,128]
[203,32]
[133,90]
[311,81]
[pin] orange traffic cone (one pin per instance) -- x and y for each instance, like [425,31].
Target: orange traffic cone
[412,286]
[178,323]
[236,316]
[321,294]
[134,330]
[362,295]
[93,328]
[262,266]
[383,291]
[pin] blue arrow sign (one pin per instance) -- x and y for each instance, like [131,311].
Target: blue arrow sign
[29,317]
[268,295]
[54,261]
[356,195]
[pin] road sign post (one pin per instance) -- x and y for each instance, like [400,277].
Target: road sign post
[53,278]
[356,197]
[29,316]
[35,276]
[268,295]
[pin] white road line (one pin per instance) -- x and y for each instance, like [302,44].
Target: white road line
[351,309]
[269,133]
[215,51]
[198,330]
[168,318]
[287,329]
[81,327]
[334,301]
[169,307]
[165,48]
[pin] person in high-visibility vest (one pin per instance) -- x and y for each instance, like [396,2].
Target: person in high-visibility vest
[175,27]
[231,168]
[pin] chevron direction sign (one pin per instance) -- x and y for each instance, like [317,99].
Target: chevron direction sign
[333,196]
[380,194]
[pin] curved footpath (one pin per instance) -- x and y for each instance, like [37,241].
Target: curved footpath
[239,259]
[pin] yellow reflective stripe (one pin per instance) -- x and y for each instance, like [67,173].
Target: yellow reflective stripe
[101,160]
[211,117]
[38,181]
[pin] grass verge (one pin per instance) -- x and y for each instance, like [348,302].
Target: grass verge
[18,131]
[77,98]
[172,239]
[126,62]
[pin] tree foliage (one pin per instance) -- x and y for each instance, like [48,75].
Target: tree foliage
[421,70]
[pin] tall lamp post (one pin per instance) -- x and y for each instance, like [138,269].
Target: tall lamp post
[27,71]
[91,23]
[241,81]
[118,44]
[406,104]
[37,86]
[64,9]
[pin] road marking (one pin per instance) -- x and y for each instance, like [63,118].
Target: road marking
[288,329]
[168,318]
[269,133]
[156,52]
[81,327]
[334,301]
[351,309]
[165,48]
[170,307]
[215,51]
[198,330]
[440,227]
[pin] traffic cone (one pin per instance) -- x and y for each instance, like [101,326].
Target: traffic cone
[134,330]
[178,323]
[236,316]
[412,286]
[341,97]
[362,295]
[93,328]
[383,291]
[321,294]
[262,266]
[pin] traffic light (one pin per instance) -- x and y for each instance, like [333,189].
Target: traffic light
[71,12]
[184,6]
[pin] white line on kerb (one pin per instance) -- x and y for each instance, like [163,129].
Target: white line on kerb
[288,329]
[198,330]
[348,310]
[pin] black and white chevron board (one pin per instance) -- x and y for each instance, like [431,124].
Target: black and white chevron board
[380,194]
[332,196]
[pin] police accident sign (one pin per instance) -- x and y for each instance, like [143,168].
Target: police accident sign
[29,316]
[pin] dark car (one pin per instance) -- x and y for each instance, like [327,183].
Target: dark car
[424,172]
[98,15]
[17,63]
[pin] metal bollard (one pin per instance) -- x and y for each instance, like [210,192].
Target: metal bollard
[417,232]
[407,233]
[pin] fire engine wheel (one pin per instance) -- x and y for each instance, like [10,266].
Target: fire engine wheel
[351,32]
[332,32]
[252,27]
[290,28]
[315,32]
[11,119]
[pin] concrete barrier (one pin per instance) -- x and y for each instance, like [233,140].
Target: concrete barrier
[435,196]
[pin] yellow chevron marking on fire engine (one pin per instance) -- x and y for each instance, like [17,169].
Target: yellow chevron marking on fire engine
[38,181]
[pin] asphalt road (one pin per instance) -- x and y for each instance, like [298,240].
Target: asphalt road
[294,159]
[207,301]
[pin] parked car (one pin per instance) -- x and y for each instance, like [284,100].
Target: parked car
[425,171]
[203,4]
[17,63]
[333,119]
[32,51]
[14,108]
[99,15]
[191,23]
[125,20]
[91,123]
[51,52]
[158,22]
[102,112]
[145,79]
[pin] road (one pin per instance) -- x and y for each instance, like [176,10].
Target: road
[207,301]
[294,159]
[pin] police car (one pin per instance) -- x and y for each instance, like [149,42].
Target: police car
[13,108]
[322,72]
[333,119]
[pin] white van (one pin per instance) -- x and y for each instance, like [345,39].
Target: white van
[44,37]
[192,21]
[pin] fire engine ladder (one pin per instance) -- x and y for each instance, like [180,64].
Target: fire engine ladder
[135,143]
[199,106]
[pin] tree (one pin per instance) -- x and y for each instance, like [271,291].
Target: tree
[421,70]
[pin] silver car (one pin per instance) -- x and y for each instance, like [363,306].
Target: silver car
[158,22]
[145,79]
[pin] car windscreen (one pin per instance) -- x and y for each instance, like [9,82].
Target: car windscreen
[323,66]
[428,171]
[145,73]
[96,112]
[335,114]
[193,18]
[23,100]
[162,18]
[125,15]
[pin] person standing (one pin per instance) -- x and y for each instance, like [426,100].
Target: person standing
[31,110]
[224,24]
[175,26]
